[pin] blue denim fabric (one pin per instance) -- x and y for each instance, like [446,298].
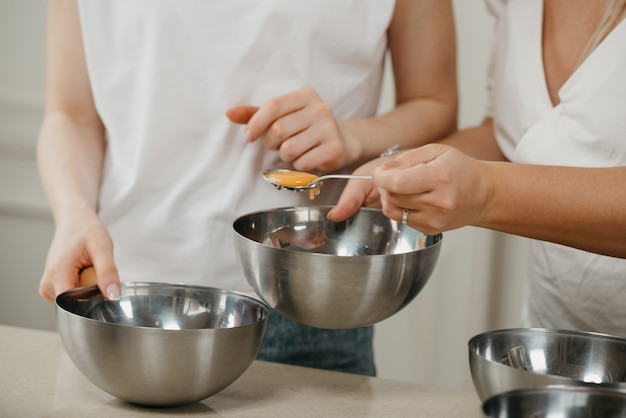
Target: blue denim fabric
[289,342]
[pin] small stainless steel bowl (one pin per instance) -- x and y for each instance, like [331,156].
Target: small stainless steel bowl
[510,359]
[161,344]
[334,275]
[557,401]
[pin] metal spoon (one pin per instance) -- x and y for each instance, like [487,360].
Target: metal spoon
[312,185]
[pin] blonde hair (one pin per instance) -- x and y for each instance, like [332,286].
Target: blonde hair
[612,15]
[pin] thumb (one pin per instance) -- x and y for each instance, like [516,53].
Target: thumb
[241,114]
[106,276]
[351,200]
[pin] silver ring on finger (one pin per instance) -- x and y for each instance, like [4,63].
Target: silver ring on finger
[405,215]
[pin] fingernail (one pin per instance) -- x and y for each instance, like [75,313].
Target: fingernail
[247,136]
[391,164]
[113,291]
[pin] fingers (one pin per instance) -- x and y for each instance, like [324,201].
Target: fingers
[106,271]
[107,281]
[75,250]
[406,182]
[348,204]
[411,173]
[357,193]
[399,211]
[312,150]
[64,279]
[267,115]
[300,126]
[56,281]
[423,154]
[46,290]
[285,134]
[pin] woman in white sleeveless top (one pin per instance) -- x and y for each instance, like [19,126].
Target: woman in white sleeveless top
[145,173]
[558,112]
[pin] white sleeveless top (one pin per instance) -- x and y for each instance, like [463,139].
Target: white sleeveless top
[568,288]
[177,172]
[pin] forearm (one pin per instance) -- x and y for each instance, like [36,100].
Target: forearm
[70,154]
[422,46]
[409,125]
[577,207]
[71,142]
[478,142]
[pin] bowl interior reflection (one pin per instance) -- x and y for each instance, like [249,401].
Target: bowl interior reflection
[170,307]
[510,359]
[309,231]
[583,357]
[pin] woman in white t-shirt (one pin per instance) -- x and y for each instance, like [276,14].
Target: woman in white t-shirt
[144,171]
[557,124]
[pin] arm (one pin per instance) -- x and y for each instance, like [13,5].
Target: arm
[477,142]
[445,189]
[577,207]
[70,153]
[423,52]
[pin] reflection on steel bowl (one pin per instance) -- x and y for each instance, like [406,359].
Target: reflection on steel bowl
[510,359]
[334,275]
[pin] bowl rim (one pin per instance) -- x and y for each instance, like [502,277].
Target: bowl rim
[539,330]
[93,292]
[476,356]
[437,238]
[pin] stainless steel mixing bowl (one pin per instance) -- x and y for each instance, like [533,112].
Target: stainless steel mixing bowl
[506,360]
[334,275]
[558,402]
[161,344]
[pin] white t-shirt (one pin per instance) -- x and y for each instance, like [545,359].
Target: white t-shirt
[177,172]
[568,288]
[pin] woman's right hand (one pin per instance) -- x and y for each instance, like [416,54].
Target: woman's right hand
[82,243]
[441,187]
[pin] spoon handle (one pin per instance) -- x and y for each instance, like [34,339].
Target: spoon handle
[343,176]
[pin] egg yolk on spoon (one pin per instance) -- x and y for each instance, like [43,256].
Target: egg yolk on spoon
[290,178]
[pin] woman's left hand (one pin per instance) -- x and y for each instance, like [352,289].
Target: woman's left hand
[300,126]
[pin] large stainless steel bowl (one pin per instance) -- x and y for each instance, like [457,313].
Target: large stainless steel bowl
[334,275]
[558,401]
[506,360]
[161,344]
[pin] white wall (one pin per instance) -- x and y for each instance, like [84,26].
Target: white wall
[475,287]
[25,223]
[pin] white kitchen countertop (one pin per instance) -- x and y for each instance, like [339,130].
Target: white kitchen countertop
[38,379]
